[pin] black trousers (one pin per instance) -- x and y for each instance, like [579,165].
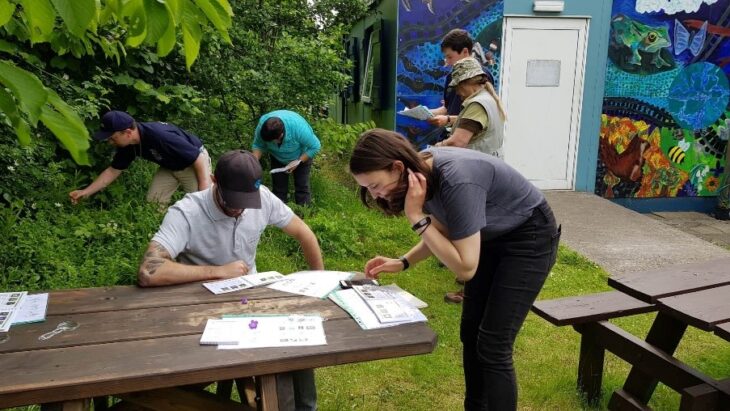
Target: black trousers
[280,182]
[512,270]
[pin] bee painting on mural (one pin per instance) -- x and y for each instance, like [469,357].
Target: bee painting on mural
[677,153]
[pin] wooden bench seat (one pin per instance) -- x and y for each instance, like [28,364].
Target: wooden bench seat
[586,309]
[590,308]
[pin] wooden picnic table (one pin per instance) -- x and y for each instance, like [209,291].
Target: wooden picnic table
[132,339]
[697,295]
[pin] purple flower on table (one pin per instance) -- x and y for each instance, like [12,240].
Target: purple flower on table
[244,300]
[253,324]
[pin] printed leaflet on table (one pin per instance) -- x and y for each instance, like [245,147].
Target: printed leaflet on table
[317,283]
[243,282]
[259,331]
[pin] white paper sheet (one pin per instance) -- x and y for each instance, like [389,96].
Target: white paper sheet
[32,309]
[9,303]
[278,331]
[223,331]
[419,112]
[286,167]
[350,301]
[316,284]
[412,299]
[243,282]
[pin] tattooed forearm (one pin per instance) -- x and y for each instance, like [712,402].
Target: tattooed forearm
[154,257]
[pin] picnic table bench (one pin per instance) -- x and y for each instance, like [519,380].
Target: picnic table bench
[695,294]
[142,345]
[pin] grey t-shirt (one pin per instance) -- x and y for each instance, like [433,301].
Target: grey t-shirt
[196,232]
[478,192]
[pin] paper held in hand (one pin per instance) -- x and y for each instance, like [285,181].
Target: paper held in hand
[286,167]
[419,112]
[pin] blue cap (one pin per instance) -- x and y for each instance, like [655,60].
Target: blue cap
[112,122]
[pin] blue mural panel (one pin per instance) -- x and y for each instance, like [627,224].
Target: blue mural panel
[420,69]
[666,110]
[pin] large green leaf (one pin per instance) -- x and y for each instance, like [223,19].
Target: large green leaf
[134,13]
[9,107]
[192,33]
[168,40]
[26,89]
[226,6]
[77,14]
[6,11]
[217,15]
[41,19]
[66,125]
[176,9]
[111,8]
[158,20]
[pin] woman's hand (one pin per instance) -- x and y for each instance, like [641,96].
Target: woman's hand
[380,264]
[438,121]
[415,197]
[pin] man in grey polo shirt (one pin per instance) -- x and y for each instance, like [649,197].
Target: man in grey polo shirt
[213,234]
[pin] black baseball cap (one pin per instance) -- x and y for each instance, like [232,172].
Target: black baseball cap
[112,122]
[238,177]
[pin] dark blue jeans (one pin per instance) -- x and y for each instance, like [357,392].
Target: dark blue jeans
[280,182]
[512,269]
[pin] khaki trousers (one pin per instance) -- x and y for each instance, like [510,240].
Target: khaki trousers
[165,181]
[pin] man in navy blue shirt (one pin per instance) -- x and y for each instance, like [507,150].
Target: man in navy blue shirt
[182,158]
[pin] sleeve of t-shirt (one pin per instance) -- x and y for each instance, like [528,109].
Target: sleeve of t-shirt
[465,205]
[123,158]
[179,146]
[477,113]
[280,215]
[174,233]
[309,140]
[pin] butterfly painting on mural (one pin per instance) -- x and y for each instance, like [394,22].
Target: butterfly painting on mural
[682,39]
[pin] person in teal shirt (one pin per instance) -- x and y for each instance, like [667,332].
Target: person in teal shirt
[291,144]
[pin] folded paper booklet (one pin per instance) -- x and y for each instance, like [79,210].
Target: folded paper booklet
[9,307]
[419,112]
[245,281]
[350,301]
[32,309]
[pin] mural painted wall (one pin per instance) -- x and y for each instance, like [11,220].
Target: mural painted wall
[666,119]
[420,67]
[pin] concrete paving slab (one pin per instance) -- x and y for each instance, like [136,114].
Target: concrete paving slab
[621,240]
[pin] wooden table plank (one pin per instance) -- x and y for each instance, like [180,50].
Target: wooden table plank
[90,300]
[126,325]
[723,330]
[31,377]
[590,308]
[652,285]
[702,309]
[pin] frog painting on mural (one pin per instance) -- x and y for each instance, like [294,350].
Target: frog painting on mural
[639,48]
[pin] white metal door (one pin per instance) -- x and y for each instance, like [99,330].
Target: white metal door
[542,90]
